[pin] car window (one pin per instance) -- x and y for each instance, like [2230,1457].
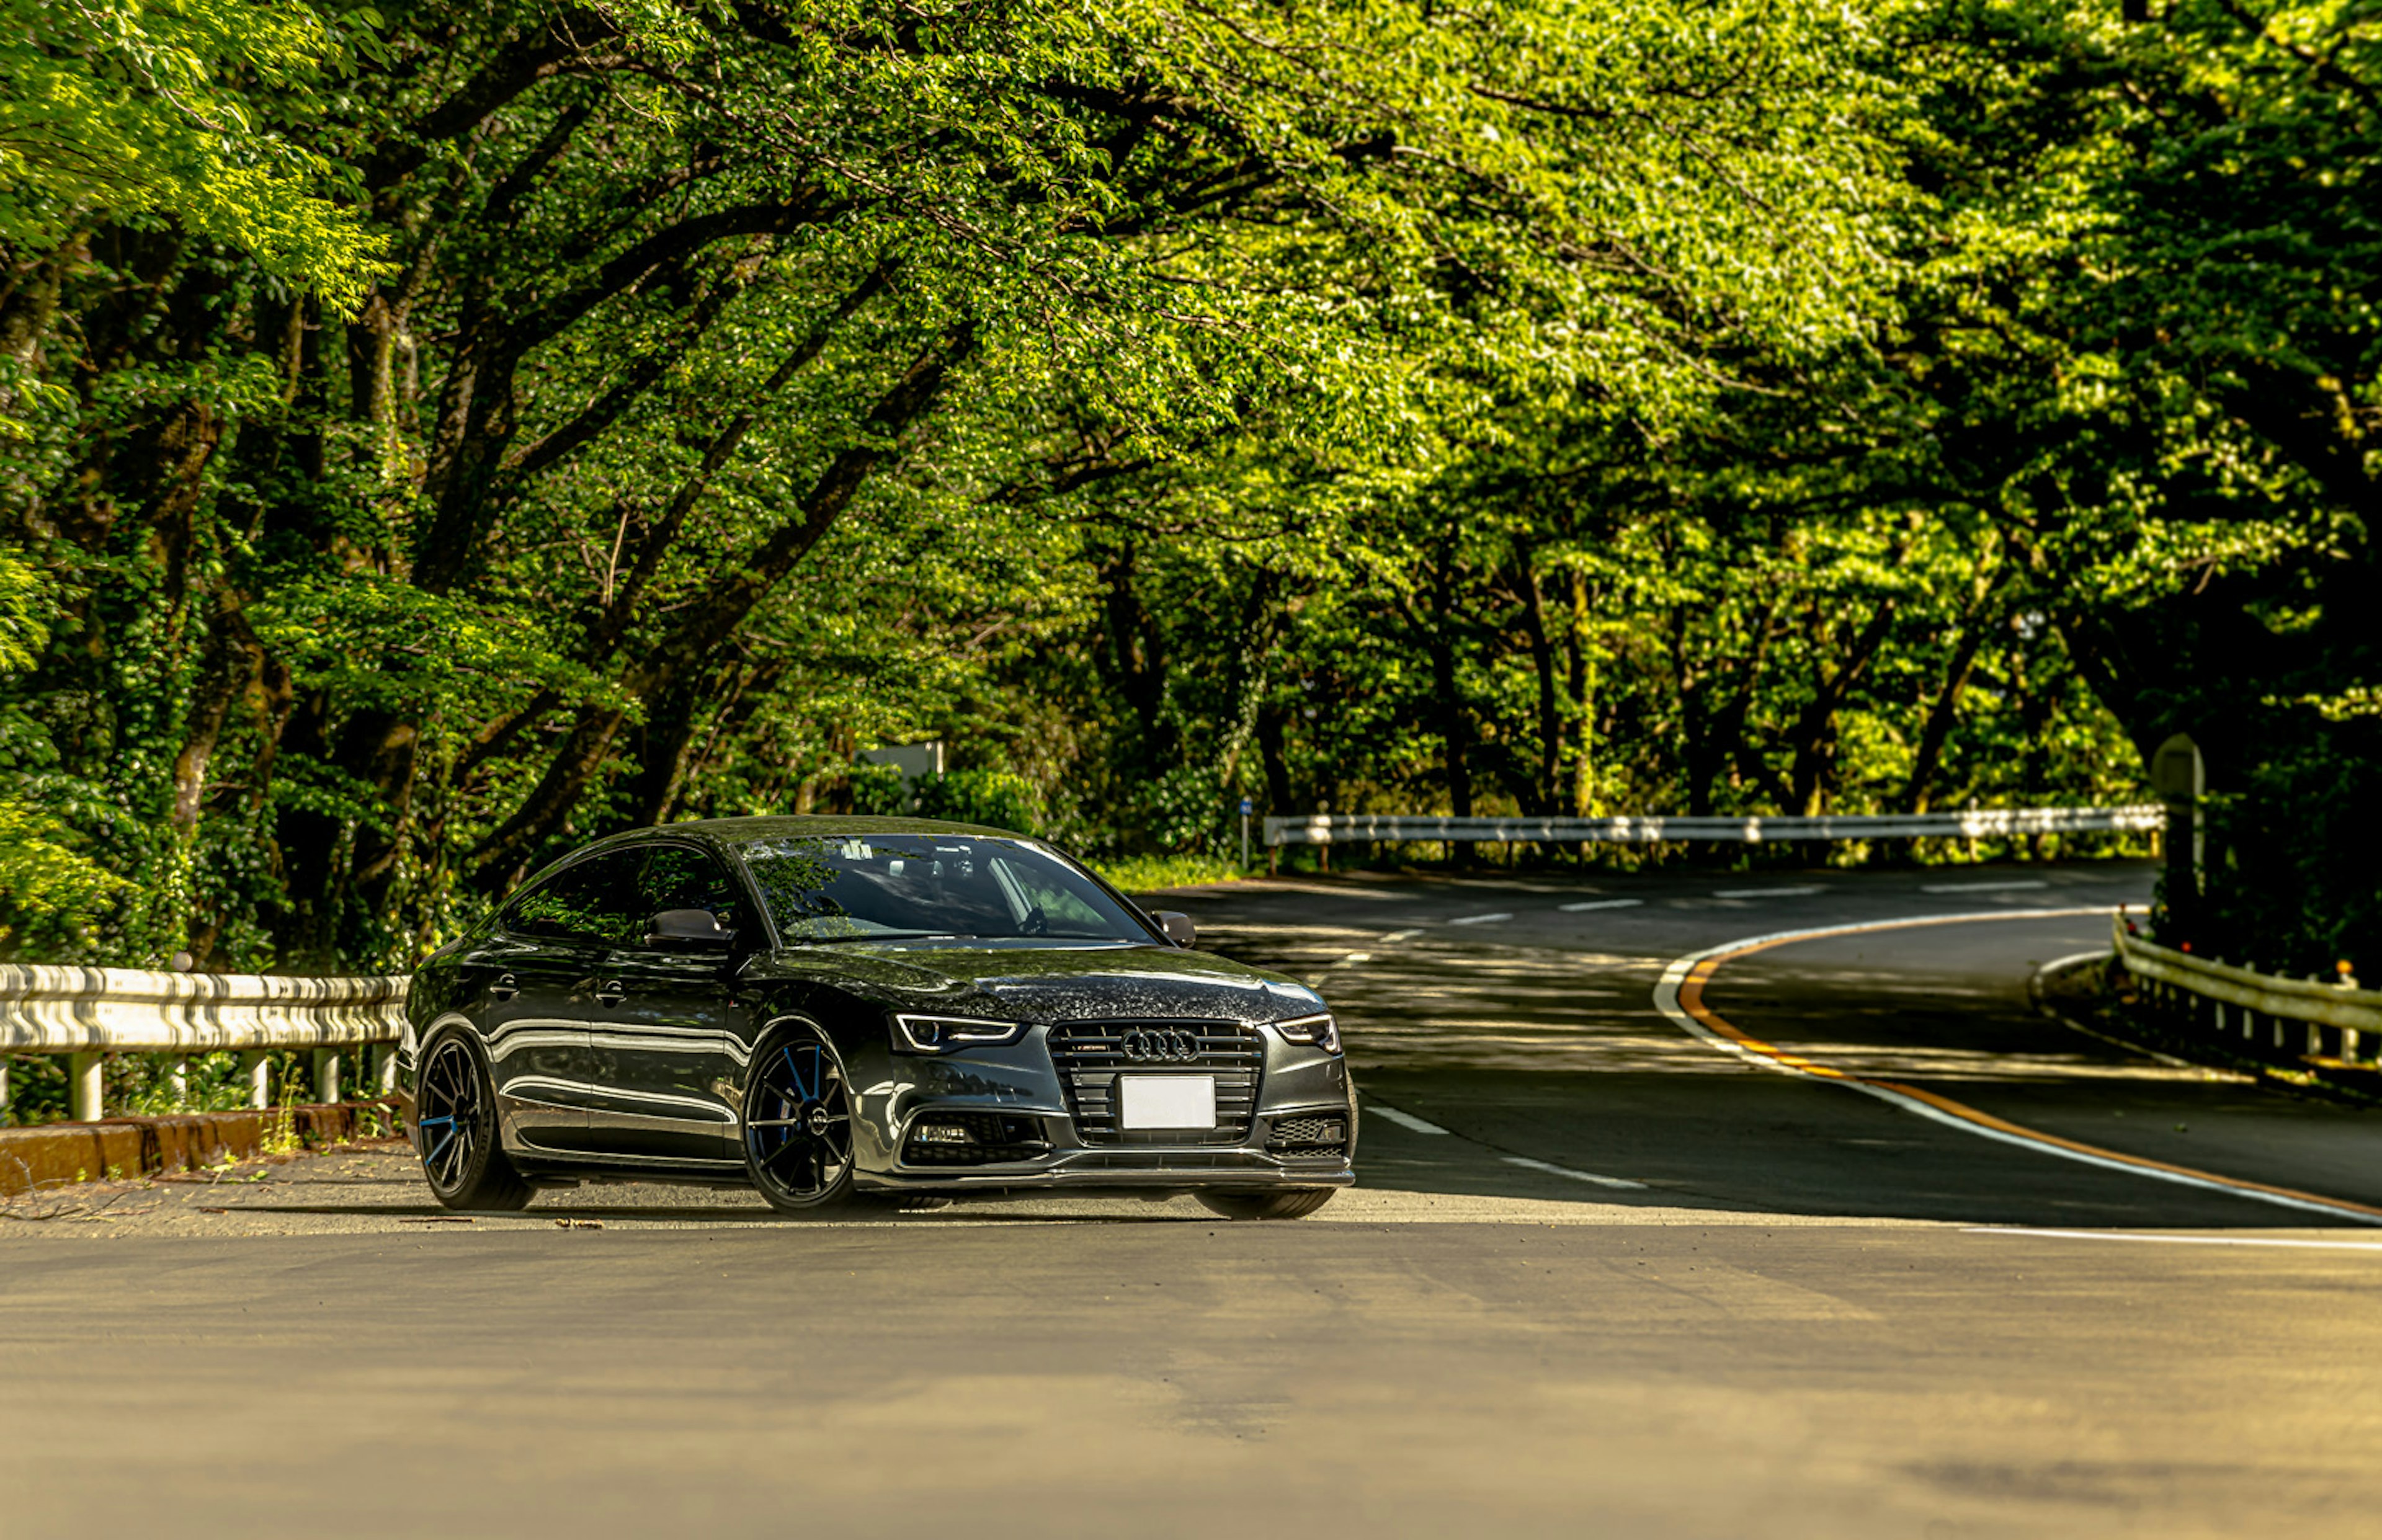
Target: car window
[1042,888]
[596,899]
[676,876]
[852,887]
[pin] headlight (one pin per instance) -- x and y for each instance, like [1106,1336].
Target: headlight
[943,1034]
[1321,1031]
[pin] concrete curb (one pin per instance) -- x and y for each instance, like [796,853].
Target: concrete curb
[55,1153]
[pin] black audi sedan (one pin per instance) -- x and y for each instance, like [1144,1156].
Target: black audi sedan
[835,1009]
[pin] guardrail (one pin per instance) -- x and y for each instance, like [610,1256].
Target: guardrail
[88,1013]
[1648,829]
[2219,997]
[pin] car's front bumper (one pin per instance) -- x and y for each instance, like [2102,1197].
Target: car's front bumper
[1020,1086]
[1139,1169]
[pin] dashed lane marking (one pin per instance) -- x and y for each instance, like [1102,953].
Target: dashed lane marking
[1555,1171]
[1480,918]
[1978,886]
[1404,1119]
[1600,903]
[1352,959]
[2176,1240]
[1400,935]
[1679,995]
[1766,892]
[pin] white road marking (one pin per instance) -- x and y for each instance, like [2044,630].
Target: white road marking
[1404,1119]
[1766,892]
[1575,1176]
[1667,1000]
[1600,903]
[1352,959]
[1480,918]
[1978,886]
[2177,1240]
[1400,935]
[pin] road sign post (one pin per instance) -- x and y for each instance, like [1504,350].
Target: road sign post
[2179,776]
[1248,807]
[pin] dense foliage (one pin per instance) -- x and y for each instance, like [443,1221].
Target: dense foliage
[443,433]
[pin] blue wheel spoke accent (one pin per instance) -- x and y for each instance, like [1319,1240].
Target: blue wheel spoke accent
[803,1089]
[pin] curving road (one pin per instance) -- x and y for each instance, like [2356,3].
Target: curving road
[1612,1268]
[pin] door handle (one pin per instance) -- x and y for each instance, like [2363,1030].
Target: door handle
[610,993]
[505,987]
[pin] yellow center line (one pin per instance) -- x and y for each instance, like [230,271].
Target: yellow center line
[1680,996]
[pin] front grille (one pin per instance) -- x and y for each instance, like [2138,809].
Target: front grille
[1090,1054]
[993,1138]
[1324,1135]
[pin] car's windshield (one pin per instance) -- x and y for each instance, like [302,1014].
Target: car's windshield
[857,887]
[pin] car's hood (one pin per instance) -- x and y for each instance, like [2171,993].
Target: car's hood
[1057,983]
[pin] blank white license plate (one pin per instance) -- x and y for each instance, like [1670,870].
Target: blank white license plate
[1166,1101]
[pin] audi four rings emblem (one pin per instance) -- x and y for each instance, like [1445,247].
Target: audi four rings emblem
[1153,1046]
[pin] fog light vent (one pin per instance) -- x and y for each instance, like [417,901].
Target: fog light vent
[1308,1136]
[941,1138]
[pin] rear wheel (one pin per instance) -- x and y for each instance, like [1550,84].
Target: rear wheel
[798,1123]
[1295,1204]
[455,1125]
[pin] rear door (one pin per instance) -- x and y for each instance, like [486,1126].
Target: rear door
[670,1032]
[537,978]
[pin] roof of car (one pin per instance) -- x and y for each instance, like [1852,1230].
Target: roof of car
[745,831]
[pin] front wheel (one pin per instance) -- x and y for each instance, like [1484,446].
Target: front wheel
[798,1123]
[455,1125]
[1295,1204]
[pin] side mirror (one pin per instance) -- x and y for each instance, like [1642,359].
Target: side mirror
[1176,925]
[690,930]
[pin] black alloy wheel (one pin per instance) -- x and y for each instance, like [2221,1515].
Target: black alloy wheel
[455,1127]
[1295,1204]
[798,1123]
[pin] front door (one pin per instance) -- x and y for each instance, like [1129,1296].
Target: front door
[535,983]
[669,1032]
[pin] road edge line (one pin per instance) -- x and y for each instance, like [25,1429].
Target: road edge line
[1678,996]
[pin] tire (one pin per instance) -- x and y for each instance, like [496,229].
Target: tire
[455,1128]
[1295,1204]
[797,1131]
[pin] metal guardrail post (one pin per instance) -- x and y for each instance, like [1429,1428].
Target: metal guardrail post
[255,1070]
[84,1084]
[327,1075]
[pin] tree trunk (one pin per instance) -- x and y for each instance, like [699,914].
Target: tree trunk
[1447,705]
[1542,661]
[1579,666]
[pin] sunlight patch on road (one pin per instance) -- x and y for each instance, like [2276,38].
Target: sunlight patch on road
[2177,1240]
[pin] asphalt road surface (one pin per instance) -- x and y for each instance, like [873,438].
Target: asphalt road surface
[1838,1237]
